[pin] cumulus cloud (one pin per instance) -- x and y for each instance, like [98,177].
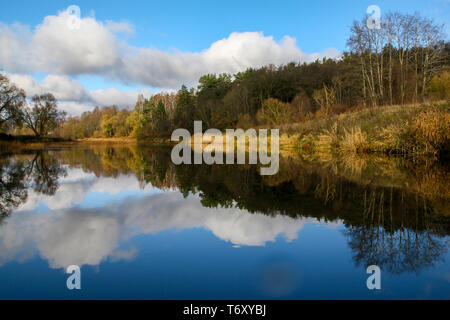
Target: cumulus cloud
[95,47]
[73,97]
[238,52]
[56,46]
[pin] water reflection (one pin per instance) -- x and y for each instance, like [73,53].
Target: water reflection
[39,171]
[75,205]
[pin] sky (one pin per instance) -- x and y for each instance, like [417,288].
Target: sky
[115,50]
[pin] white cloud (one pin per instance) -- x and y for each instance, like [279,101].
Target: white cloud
[54,47]
[113,96]
[74,108]
[238,52]
[72,96]
[90,48]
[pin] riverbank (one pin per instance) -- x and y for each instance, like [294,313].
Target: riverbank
[118,140]
[405,130]
[10,143]
[420,129]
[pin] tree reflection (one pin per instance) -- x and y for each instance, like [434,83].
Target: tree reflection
[40,171]
[44,171]
[396,252]
[12,185]
[396,220]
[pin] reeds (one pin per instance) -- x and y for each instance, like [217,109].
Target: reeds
[407,130]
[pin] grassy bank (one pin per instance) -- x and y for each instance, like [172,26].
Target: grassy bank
[9,142]
[119,140]
[406,130]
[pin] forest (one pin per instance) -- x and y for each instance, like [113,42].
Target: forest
[406,61]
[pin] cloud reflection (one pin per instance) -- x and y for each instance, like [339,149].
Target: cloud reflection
[71,234]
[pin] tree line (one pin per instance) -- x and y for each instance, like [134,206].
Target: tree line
[407,60]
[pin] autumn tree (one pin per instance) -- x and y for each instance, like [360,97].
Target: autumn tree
[274,112]
[325,99]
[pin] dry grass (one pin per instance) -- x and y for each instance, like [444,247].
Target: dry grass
[355,141]
[432,128]
[411,129]
[107,140]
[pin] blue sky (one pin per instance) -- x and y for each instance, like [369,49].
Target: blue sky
[158,45]
[194,25]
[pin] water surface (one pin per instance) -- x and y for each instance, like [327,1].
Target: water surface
[142,228]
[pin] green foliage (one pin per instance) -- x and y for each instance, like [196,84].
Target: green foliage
[440,86]
[115,125]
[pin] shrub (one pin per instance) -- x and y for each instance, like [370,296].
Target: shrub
[355,141]
[274,112]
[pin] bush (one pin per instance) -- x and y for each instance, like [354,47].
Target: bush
[274,112]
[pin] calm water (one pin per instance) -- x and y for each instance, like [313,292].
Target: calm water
[140,227]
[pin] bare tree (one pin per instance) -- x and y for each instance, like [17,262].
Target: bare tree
[405,52]
[12,100]
[43,116]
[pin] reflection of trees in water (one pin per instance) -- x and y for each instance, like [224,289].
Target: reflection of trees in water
[396,252]
[40,170]
[12,185]
[297,189]
[405,242]
[44,171]
[397,228]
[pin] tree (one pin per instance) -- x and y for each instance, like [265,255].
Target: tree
[43,116]
[184,113]
[398,59]
[325,98]
[12,100]
[274,112]
[159,119]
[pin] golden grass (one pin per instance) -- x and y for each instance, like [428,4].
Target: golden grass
[355,141]
[107,140]
[411,129]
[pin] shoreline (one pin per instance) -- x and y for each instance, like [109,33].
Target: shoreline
[408,130]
